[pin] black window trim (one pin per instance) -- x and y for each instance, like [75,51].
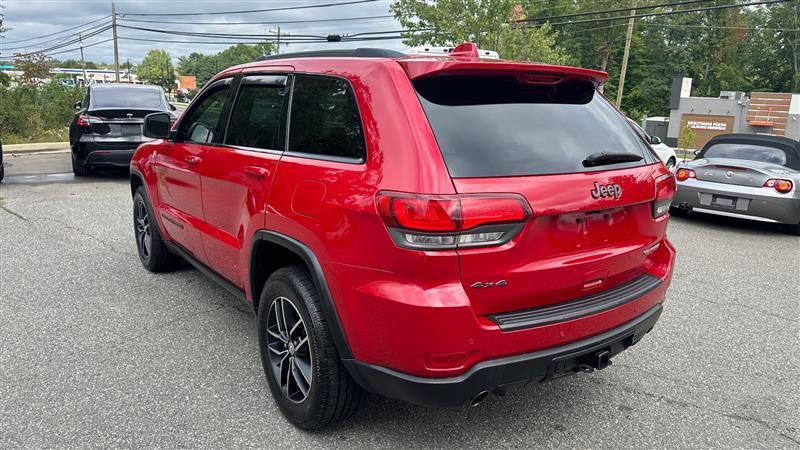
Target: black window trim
[236,86]
[226,108]
[316,156]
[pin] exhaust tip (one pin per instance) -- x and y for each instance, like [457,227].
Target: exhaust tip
[479,398]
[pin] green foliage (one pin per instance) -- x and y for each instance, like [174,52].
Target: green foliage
[156,68]
[33,66]
[484,22]
[37,113]
[206,66]
[686,137]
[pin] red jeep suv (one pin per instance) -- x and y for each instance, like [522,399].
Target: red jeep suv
[431,229]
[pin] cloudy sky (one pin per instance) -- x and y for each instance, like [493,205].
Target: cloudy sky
[33,23]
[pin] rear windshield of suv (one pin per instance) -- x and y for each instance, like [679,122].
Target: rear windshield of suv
[127,97]
[490,126]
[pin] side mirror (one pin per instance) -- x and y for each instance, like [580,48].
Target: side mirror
[78,105]
[172,107]
[157,125]
[655,140]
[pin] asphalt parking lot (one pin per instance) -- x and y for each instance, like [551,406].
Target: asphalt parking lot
[95,351]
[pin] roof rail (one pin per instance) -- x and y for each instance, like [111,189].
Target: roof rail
[341,53]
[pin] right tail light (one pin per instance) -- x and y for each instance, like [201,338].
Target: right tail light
[439,222]
[782,186]
[665,190]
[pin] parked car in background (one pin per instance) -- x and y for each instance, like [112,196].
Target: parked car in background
[433,229]
[107,126]
[664,151]
[748,176]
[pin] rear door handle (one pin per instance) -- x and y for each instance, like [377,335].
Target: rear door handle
[256,171]
[193,160]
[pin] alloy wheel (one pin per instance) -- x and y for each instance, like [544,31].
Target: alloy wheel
[289,349]
[144,236]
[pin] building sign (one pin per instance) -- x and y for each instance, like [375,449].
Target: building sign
[705,126]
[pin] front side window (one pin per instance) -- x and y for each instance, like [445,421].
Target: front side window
[258,119]
[204,121]
[325,119]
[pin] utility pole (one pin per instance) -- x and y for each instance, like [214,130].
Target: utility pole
[278,46]
[130,80]
[114,33]
[83,62]
[626,54]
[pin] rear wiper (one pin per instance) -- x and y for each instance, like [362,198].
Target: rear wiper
[606,158]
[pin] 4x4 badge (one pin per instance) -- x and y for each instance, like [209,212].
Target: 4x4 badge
[606,190]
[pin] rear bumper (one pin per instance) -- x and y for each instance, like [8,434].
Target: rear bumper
[753,203]
[500,374]
[110,153]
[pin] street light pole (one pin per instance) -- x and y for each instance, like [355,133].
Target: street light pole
[114,33]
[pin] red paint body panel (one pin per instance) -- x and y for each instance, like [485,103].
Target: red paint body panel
[395,305]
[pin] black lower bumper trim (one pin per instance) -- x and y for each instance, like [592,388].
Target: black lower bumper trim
[500,374]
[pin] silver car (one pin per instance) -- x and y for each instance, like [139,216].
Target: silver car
[748,176]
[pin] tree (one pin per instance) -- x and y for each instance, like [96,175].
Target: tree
[156,68]
[487,23]
[34,67]
[206,66]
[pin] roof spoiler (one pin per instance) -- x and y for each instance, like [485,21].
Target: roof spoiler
[465,59]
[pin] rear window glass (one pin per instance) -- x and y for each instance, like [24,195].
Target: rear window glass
[750,152]
[127,97]
[259,117]
[497,126]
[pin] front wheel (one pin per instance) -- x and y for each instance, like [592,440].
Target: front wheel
[671,163]
[155,256]
[305,375]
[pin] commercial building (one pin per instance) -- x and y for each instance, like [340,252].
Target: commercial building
[701,118]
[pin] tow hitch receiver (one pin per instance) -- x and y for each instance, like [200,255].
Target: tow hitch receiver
[593,361]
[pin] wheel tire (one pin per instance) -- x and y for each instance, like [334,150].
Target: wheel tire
[78,168]
[332,395]
[671,163]
[155,256]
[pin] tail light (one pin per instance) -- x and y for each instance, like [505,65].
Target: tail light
[665,189]
[437,222]
[87,121]
[685,174]
[782,186]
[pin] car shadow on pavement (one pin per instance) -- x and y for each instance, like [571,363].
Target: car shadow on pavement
[721,223]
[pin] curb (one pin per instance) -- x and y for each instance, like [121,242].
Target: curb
[36,147]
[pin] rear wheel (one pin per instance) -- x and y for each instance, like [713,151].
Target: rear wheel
[303,369]
[78,168]
[671,162]
[155,256]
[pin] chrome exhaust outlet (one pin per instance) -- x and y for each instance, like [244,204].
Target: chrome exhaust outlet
[479,398]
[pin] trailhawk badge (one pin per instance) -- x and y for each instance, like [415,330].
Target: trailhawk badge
[606,190]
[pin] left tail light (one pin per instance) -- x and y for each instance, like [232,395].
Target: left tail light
[87,121]
[438,222]
[665,190]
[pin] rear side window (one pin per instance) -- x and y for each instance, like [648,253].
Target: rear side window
[491,126]
[203,123]
[325,119]
[750,152]
[258,119]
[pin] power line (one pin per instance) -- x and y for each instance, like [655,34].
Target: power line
[65,44]
[263,22]
[57,32]
[213,35]
[286,8]
[665,13]
[589,13]
[60,38]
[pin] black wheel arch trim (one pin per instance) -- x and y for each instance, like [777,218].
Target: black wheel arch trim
[317,276]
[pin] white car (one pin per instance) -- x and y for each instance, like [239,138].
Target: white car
[664,151]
